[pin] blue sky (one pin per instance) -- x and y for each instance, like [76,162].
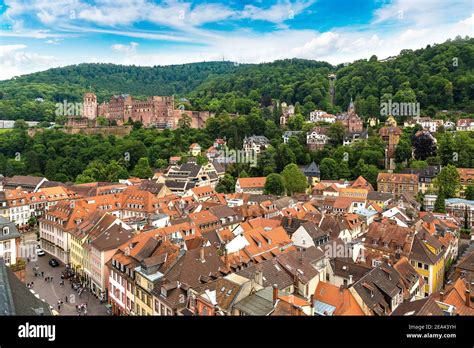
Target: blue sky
[37,35]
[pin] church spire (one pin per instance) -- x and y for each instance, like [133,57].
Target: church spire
[351,108]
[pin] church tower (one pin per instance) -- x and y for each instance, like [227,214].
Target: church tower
[90,106]
[351,109]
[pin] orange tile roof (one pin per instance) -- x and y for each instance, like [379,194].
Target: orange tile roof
[294,300]
[456,296]
[252,182]
[203,191]
[343,300]
[203,217]
[260,222]
[397,178]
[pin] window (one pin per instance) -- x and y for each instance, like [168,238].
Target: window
[425,266]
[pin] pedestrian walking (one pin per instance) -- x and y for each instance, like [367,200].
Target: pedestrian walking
[42,273]
[65,298]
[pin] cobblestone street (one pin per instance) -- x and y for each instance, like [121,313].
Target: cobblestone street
[51,292]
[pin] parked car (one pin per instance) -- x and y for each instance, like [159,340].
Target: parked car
[54,263]
[40,252]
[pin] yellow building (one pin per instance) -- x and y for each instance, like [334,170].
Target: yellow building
[143,288]
[391,121]
[427,257]
[76,252]
[194,149]
[466,178]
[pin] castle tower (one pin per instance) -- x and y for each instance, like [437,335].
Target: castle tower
[90,106]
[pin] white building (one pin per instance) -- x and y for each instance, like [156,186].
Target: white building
[256,144]
[321,116]
[430,124]
[9,236]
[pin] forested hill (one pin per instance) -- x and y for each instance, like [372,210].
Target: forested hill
[108,79]
[439,77]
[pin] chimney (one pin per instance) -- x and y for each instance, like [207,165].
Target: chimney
[201,254]
[350,279]
[311,299]
[258,278]
[226,257]
[468,298]
[275,294]
[441,296]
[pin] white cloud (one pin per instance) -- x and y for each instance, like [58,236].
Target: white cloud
[420,12]
[277,13]
[15,61]
[127,49]
[398,25]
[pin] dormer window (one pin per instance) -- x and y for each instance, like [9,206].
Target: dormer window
[6,230]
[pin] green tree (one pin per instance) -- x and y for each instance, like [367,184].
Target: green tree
[161,163]
[185,121]
[274,185]
[343,170]
[329,169]
[20,124]
[296,122]
[226,184]
[418,164]
[336,133]
[446,149]
[142,169]
[448,181]
[469,192]
[284,156]
[243,174]
[402,151]
[295,181]
[102,121]
[114,171]
[439,206]
[201,160]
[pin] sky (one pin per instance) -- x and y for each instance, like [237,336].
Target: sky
[38,35]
